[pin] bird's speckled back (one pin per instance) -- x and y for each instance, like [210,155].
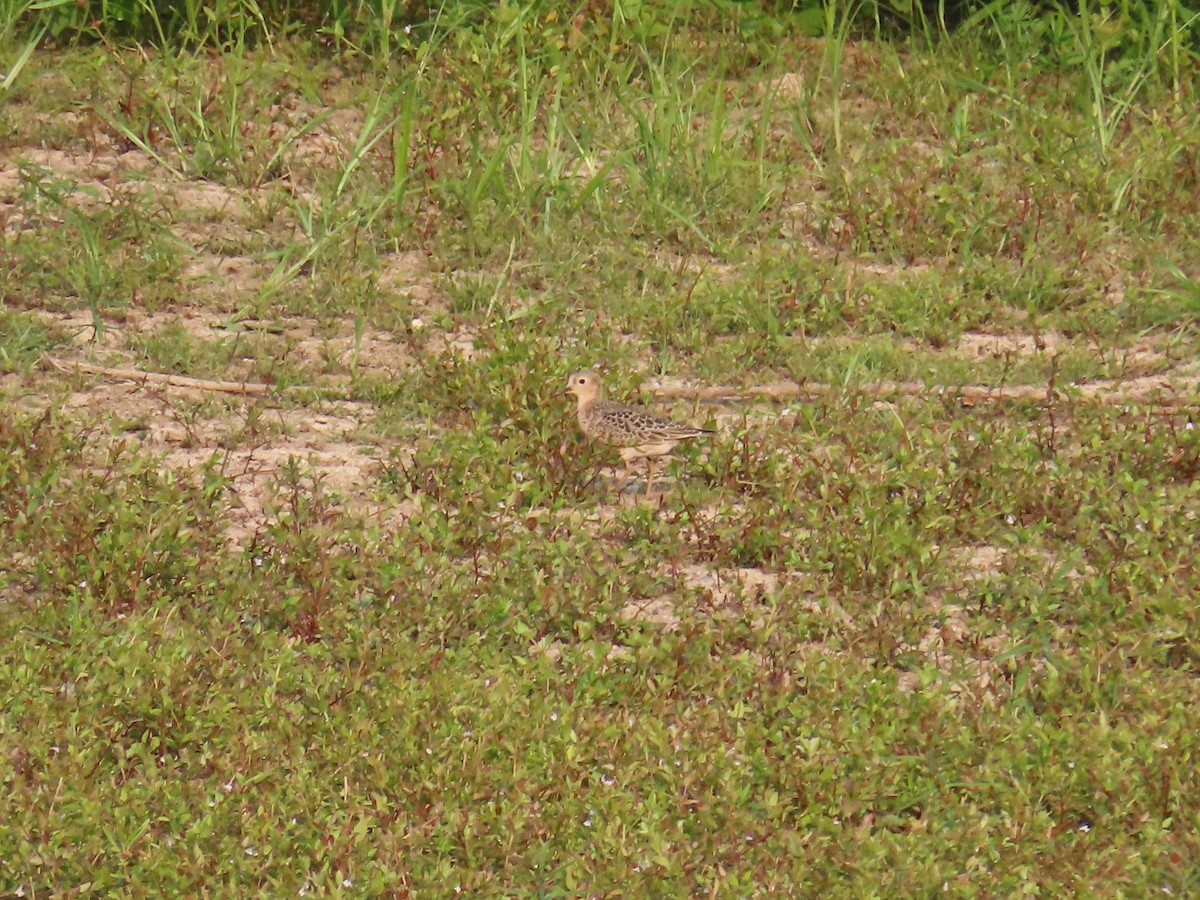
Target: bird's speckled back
[616,423]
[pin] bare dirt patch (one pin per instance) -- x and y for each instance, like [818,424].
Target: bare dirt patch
[215,202]
[335,353]
[790,85]
[966,664]
[658,611]
[324,142]
[247,440]
[223,281]
[696,268]
[980,344]
[407,273]
[320,444]
[80,325]
[978,563]
[329,353]
[719,590]
[100,169]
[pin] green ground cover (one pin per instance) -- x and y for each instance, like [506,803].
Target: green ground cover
[922,618]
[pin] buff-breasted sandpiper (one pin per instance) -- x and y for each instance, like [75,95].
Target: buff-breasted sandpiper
[638,433]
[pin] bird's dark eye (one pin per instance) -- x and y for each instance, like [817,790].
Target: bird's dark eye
[583,381]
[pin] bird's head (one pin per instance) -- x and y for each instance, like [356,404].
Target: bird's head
[584,385]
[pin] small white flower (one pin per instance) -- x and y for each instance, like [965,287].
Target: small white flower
[346,882]
[252,850]
[554,716]
[1010,519]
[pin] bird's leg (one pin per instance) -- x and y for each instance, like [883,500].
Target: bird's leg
[625,458]
[622,479]
[649,474]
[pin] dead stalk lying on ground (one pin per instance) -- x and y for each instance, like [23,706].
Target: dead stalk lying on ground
[201,384]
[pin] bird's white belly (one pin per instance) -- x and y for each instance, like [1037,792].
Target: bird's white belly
[661,448]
